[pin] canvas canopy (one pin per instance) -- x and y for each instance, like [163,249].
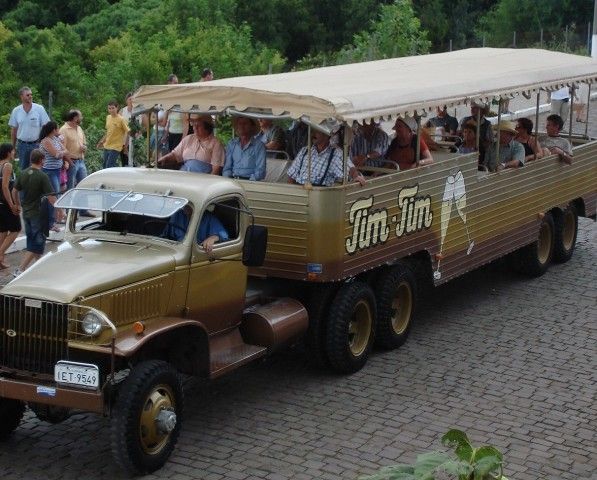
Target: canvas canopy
[381,89]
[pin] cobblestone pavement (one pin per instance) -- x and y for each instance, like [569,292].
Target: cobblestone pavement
[511,361]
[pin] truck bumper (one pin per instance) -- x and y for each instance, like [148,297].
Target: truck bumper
[50,394]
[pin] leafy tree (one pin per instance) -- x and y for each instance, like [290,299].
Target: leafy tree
[46,13]
[532,16]
[396,33]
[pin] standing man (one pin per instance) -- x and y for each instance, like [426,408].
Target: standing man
[26,121]
[76,145]
[34,184]
[177,123]
[116,130]
[560,102]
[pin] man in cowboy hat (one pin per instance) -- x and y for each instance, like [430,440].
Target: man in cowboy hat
[511,152]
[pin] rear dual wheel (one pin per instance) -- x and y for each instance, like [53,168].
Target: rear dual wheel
[566,230]
[395,290]
[534,259]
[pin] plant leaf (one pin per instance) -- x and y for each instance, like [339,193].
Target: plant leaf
[486,465]
[486,451]
[458,440]
[456,468]
[427,463]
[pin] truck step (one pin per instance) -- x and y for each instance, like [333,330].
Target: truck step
[228,352]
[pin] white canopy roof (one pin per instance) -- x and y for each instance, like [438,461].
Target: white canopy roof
[381,89]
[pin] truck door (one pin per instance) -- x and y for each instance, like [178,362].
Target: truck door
[218,280]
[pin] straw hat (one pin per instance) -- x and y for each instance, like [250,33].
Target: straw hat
[506,126]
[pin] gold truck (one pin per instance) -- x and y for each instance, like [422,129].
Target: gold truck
[132,300]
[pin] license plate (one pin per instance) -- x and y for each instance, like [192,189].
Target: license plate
[84,374]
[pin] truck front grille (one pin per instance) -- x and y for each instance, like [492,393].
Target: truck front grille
[33,334]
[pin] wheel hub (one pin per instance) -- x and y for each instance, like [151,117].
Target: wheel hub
[359,328]
[165,421]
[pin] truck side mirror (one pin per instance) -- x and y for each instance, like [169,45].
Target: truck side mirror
[255,245]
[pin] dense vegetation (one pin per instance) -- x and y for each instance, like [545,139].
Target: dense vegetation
[88,52]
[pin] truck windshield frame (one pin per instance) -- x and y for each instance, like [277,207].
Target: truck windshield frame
[118,201]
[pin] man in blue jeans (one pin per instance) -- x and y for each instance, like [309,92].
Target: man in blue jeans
[26,121]
[34,185]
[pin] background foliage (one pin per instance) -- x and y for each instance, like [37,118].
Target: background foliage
[86,53]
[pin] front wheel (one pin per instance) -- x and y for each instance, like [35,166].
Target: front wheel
[396,292]
[350,327]
[147,417]
[566,230]
[11,414]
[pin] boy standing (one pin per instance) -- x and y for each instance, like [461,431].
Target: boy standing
[34,184]
[116,130]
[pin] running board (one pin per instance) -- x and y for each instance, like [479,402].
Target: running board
[228,352]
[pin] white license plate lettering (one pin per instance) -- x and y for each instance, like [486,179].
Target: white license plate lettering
[76,374]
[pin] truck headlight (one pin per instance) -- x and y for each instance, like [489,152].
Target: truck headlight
[91,324]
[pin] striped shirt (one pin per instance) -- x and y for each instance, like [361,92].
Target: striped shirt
[361,145]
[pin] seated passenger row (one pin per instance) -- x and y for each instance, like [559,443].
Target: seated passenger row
[245,156]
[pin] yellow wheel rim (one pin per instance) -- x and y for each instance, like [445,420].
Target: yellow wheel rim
[402,306]
[544,243]
[359,328]
[152,440]
[568,229]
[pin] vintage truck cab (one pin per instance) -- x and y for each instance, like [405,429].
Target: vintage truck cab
[131,300]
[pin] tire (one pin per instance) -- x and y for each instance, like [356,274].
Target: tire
[318,305]
[11,414]
[566,230]
[534,259]
[138,444]
[395,290]
[350,327]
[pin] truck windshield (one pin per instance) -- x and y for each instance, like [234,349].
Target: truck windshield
[146,204]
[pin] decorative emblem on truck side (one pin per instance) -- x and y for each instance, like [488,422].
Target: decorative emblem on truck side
[372,227]
[454,192]
[11,333]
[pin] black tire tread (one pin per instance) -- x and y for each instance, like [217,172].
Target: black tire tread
[11,414]
[124,425]
[526,259]
[385,336]
[560,254]
[340,358]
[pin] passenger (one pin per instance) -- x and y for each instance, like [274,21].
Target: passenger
[403,149]
[296,138]
[245,155]
[511,152]
[469,138]
[369,145]
[485,133]
[210,229]
[443,120]
[326,164]
[272,136]
[200,152]
[553,143]
[524,136]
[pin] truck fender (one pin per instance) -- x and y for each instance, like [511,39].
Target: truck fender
[183,343]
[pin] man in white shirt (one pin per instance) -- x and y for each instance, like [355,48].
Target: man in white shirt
[560,102]
[25,122]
